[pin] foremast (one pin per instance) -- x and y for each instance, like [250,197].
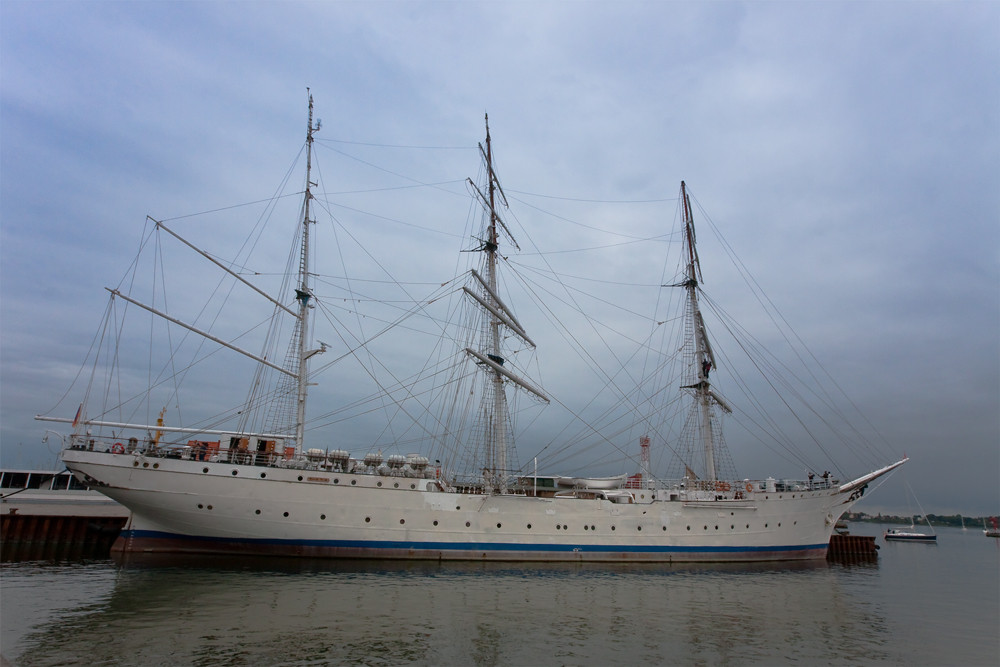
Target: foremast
[499,318]
[704,360]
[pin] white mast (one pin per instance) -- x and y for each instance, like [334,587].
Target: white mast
[703,358]
[303,293]
[499,315]
[498,427]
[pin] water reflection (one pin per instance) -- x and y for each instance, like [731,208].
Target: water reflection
[266,564]
[298,612]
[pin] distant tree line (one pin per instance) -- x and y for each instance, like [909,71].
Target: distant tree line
[917,519]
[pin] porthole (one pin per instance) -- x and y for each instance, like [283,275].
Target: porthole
[236,471]
[638,527]
[435,522]
[765,525]
[300,476]
[467,524]
[155,466]
[256,511]
[284,514]
[779,524]
[413,486]
[209,507]
[705,527]
[322,517]
[664,528]
[353,482]
[200,506]
[586,527]
[732,527]
[529,526]
[368,519]
[689,527]
[396,485]
[402,521]
[748,526]
[336,481]
[565,527]
[146,464]
[498,525]
[458,507]
[592,527]
[263,475]
[612,527]
[716,526]
[379,484]
[135,463]
[558,526]
[204,469]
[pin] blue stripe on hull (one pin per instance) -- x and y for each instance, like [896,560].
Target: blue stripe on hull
[132,541]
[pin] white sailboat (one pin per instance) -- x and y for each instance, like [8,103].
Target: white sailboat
[911,535]
[260,490]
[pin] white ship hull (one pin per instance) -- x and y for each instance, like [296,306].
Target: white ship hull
[185,506]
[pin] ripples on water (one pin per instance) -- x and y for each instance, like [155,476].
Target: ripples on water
[919,604]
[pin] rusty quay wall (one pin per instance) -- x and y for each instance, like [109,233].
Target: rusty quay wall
[33,537]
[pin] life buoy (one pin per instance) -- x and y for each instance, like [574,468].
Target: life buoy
[118,448]
[749,487]
[722,486]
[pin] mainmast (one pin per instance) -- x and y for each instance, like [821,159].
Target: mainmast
[704,360]
[499,426]
[500,318]
[303,293]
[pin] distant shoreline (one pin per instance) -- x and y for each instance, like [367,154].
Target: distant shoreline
[917,519]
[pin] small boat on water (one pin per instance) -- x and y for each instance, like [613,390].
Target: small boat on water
[911,535]
[993,529]
[895,535]
[243,480]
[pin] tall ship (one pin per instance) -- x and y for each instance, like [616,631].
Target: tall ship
[249,481]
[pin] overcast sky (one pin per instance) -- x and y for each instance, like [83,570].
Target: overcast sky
[850,152]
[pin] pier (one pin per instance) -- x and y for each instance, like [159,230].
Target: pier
[49,515]
[43,537]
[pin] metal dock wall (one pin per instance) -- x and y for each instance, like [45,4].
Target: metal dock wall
[32,537]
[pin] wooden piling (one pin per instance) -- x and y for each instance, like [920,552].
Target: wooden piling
[852,546]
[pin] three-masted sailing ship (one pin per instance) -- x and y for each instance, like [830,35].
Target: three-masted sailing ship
[242,491]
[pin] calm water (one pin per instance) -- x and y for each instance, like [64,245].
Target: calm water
[917,605]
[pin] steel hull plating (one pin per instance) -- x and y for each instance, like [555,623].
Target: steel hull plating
[138,541]
[183,506]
